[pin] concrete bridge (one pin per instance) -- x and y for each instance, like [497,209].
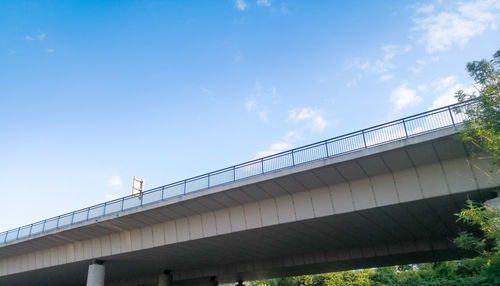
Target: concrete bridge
[389,200]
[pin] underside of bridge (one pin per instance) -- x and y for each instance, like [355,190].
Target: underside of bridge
[387,207]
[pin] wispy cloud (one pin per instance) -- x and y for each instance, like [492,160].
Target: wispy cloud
[262,100]
[240,5]
[250,105]
[421,63]
[292,136]
[382,66]
[40,36]
[386,77]
[50,50]
[275,148]
[444,90]
[403,97]
[313,118]
[439,29]
[264,3]
[115,181]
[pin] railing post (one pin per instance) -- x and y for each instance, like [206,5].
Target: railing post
[185,183]
[326,147]
[88,212]
[5,238]
[123,202]
[208,180]
[104,211]
[451,116]
[162,192]
[262,165]
[17,235]
[43,226]
[406,131]
[234,173]
[57,224]
[72,218]
[364,139]
[293,159]
[31,227]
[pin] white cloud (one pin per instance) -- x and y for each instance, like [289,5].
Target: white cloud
[28,38]
[381,66]
[292,136]
[263,115]
[421,63]
[264,3]
[261,101]
[41,36]
[403,97]
[275,148]
[351,83]
[386,77]
[241,5]
[115,181]
[456,24]
[250,105]
[445,89]
[313,117]
[50,50]
[393,50]
[110,197]
[444,83]
[425,9]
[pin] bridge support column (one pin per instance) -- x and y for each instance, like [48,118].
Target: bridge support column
[95,276]
[165,279]
[213,281]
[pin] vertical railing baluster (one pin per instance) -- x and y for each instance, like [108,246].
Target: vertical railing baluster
[185,183]
[262,165]
[293,159]
[364,139]
[326,147]
[404,126]
[162,192]
[451,116]
[208,181]
[234,173]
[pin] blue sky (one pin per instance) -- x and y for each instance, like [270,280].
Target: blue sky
[95,92]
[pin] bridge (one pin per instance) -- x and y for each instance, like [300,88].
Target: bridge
[380,196]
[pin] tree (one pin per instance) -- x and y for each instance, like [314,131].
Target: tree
[482,128]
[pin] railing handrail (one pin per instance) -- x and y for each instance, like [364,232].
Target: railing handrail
[184,182]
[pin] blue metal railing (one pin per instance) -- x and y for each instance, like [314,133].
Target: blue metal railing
[362,139]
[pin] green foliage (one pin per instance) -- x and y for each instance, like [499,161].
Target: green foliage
[482,128]
[349,278]
[468,272]
[487,221]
